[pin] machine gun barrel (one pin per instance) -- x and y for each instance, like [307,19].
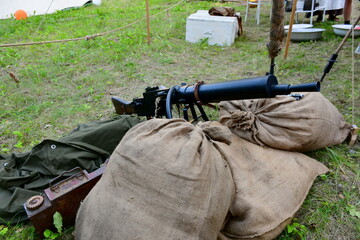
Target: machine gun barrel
[287,88]
[250,88]
[157,101]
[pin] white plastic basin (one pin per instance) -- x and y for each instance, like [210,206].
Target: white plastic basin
[296,26]
[342,29]
[306,34]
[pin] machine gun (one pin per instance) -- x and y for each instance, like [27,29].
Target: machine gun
[158,101]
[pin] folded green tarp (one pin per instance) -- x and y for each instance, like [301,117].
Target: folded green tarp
[23,175]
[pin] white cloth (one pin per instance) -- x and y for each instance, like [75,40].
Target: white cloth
[332,4]
[329,4]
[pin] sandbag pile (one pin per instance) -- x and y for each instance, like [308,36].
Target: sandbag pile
[271,186]
[167,179]
[310,123]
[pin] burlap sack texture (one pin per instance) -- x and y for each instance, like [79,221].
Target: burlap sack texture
[271,186]
[285,123]
[167,179]
[170,180]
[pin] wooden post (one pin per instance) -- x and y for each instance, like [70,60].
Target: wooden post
[148,21]
[353,135]
[290,28]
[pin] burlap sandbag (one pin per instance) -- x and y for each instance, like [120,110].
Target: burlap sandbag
[302,125]
[271,185]
[165,180]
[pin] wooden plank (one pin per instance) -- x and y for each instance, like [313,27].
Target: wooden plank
[353,135]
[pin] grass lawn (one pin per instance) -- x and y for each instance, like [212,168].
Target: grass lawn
[61,85]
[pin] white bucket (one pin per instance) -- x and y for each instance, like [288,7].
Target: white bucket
[96,2]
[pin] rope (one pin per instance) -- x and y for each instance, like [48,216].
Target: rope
[353,77]
[89,36]
[43,18]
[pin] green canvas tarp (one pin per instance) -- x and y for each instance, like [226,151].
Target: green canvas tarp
[23,175]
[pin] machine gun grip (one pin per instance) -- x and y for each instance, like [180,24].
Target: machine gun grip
[122,106]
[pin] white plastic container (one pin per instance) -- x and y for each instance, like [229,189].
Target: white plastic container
[342,29]
[217,30]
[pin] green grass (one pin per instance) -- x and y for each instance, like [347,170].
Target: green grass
[64,84]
